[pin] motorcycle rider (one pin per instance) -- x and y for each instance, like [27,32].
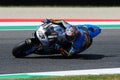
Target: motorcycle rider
[80,37]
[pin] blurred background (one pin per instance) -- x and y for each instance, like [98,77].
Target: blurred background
[81,9]
[59,2]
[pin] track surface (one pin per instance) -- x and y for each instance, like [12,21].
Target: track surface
[104,53]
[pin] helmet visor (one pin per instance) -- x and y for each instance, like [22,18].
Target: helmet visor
[70,38]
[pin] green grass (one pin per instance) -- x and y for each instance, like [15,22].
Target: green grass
[89,77]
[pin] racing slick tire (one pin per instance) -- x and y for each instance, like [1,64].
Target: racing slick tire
[19,51]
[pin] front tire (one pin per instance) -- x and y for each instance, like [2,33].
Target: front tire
[19,51]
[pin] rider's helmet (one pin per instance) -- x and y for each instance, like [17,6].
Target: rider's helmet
[71,33]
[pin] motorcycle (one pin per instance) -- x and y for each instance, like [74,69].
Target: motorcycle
[45,40]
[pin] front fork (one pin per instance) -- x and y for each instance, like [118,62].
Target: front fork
[34,44]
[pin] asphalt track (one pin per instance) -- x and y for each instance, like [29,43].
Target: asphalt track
[104,53]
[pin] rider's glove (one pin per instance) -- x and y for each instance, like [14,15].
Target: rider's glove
[47,21]
[50,20]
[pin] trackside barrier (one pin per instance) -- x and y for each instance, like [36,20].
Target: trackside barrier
[31,24]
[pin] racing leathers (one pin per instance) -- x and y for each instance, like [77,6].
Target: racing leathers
[83,39]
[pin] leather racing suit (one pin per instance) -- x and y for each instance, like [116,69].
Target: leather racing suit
[82,41]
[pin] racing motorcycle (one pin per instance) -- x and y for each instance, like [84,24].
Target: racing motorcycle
[45,41]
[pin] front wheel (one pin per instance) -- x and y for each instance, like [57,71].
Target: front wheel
[23,49]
